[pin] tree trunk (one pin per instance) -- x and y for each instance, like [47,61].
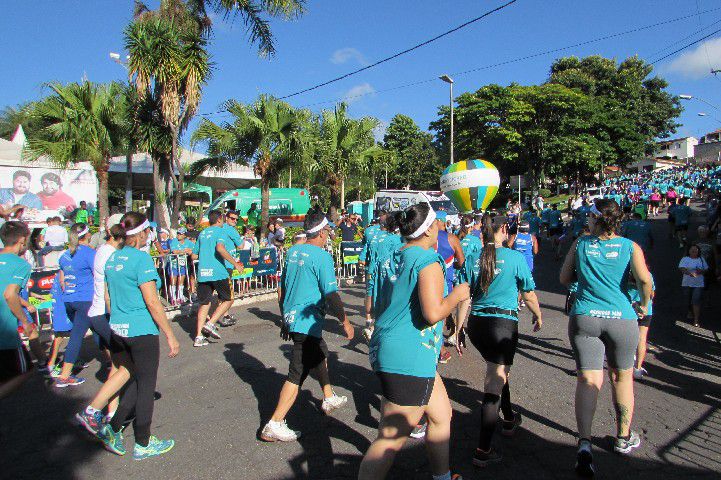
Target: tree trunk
[290,176]
[161,215]
[264,206]
[103,208]
[129,180]
[178,192]
[342,193]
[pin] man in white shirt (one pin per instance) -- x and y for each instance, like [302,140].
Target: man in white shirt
[55,235]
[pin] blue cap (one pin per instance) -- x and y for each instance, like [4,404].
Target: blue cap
[182,230]
[442,215]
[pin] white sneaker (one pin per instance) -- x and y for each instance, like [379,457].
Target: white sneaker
[368,333]
[333,403]
[278,432]
[639,373]
[200,341]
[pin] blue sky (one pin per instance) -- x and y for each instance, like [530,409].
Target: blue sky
[65,40]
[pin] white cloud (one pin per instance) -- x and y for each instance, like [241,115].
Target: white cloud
[695,64]
[380,131]
[358,91]
[342,55]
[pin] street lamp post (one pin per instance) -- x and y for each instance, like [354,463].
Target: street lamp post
[449,81]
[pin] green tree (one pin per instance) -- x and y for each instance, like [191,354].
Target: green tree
[259,134]
[12,117]
[346,146]
[631,109]
[79,122]
[414,162]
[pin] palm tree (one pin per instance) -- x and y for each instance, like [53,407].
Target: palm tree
[260,134]
[346,145]
[79,122]
[12,117]
[168,65]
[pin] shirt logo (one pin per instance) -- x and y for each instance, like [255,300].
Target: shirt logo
[119,267]
[612,255]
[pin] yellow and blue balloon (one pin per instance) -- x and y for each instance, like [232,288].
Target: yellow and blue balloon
[470,184]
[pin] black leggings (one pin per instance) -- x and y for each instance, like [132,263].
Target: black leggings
[140,355]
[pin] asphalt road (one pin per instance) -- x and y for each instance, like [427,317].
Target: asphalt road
[213,400]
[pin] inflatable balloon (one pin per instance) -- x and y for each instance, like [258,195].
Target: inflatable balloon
[470,184]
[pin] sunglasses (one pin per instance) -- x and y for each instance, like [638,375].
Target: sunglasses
[235,219]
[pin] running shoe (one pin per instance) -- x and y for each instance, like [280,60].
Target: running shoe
[368,333]
[211,330]
[92,423]
[482,459]
[333,403]
[451,341]
[113,442]
[584,459]
[200,341]
[444,357]
[227,321]
[509,426]
[154,448]
[71,381]
[639,373]
[623,445]
[419,431]
[278,432]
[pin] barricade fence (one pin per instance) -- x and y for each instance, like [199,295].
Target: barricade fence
[178,276]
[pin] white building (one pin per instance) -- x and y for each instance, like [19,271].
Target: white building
[676,148]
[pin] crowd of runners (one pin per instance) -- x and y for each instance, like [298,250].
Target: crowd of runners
[430,285]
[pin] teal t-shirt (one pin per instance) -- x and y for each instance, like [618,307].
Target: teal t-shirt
[403,342]
[210,263]
[308,278]
[125,271]
[14,270]
[512,276]
[180,259]
[639,232]
[554,218]
[382,248]
[602,269]
[368,235]
[534,224]
[545,215]
[232,242]
[472,247]
[635,294]
[682,214]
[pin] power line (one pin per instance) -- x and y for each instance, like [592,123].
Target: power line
[681,40]
[705,47]
[686,46]
[527,57]
[403,52]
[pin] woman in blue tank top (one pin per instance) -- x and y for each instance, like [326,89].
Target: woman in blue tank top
[603,320]
[410,310]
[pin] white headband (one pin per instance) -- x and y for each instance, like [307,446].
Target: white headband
[138,229]
[318,227]
[83,232]
[596,211]
[424,226]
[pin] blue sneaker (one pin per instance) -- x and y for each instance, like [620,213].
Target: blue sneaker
[155,447]
[92,423]
[113,442]
[71,381]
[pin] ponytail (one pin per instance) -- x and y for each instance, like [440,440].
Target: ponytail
[488,255]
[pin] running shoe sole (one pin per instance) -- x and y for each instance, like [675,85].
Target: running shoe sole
[485,463]
[65,385]
[268,439]
[626,449]
[211,333]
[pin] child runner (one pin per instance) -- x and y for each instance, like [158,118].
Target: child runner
[693,267]
[405,346]
[180,248]
[136,313]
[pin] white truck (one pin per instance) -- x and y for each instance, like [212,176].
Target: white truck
[394,200]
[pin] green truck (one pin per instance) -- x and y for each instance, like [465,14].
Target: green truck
[288,204]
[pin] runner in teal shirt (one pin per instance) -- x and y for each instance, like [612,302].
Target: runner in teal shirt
[232,240]
[14,270]
[125,271]
[211,265]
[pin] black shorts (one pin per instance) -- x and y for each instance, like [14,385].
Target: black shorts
[13,363]
[406,390]
[494,337]
[555,231]
[222,287]
[308,354]
[682,228]
[645,321]
[65,334]
[655,203]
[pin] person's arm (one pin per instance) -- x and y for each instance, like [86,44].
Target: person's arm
[107,299]
[336,309]
[535,244]
[534,307]
[568,270]
[643,279]
[152,301]
[220,248]
[61,279]
[435,308]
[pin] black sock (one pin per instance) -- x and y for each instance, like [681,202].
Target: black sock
[489,419]
[506,407]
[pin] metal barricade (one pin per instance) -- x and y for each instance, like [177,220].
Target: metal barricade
[177,276]
[346,260]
